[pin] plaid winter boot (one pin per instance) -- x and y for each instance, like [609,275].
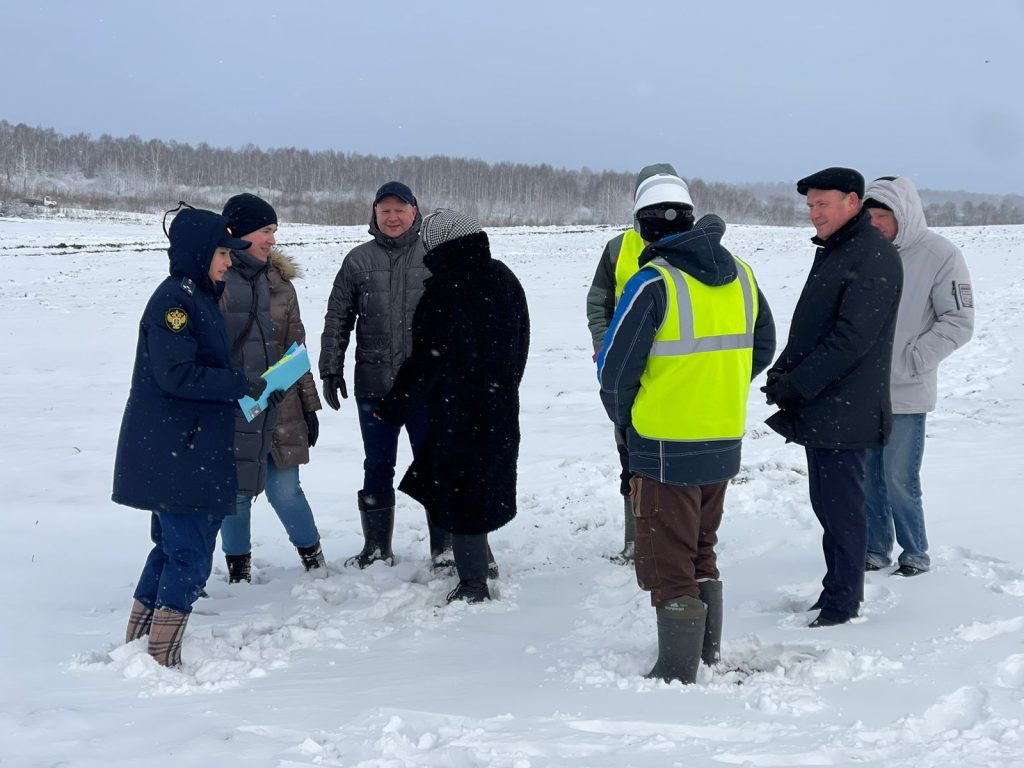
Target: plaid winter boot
[138,622]
[165,636]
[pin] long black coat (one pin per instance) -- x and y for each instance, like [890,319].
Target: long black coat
[839,352]
[471,334]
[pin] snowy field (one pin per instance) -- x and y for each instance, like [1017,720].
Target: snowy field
[371,669]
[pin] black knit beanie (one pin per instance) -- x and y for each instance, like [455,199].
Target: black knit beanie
[247,213]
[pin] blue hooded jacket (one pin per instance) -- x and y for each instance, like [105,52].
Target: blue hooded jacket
[175,452]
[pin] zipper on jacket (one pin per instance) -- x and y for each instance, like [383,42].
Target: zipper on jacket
[956,297]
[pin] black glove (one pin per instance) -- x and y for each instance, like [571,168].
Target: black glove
[313,425]
[334,383]
[256,387]
[275,398]
[780,391]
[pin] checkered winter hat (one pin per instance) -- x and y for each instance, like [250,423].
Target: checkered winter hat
[445,225]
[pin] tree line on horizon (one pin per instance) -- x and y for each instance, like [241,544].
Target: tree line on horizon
[330,187]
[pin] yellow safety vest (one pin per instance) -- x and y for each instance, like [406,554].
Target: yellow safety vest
[695,385]
[628,262]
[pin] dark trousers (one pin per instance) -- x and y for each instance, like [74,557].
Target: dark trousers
[380,449]
[835,480]
[180,562]
[380,444]
[676,534]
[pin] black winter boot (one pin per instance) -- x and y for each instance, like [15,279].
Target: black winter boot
[711,596]
[313,558]
[470,552]
[628,553]
[239,568]
[441,557]
[377,515]
[680,639]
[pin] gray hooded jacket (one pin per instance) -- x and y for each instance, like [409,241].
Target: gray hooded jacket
[936,314]
[376,292]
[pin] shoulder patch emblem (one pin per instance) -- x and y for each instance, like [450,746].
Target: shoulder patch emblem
[966,295]
[176,319]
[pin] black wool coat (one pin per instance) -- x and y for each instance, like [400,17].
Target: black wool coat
[471,334]
[839,352]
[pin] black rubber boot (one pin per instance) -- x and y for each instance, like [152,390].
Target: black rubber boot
[711,596]
[239,568]
[680,639]
[377,515]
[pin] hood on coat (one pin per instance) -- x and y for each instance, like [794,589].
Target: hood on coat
[901,197]
[195,234]
[699,252]
[287,268]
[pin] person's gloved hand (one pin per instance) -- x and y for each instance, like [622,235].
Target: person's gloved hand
[334,384]
[275,398]
[313,426]
[779,390]
[256,387]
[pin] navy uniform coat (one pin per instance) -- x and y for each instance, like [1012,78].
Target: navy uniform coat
[470,339]
[175,452]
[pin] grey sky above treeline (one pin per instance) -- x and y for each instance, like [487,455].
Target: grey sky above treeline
[732,90]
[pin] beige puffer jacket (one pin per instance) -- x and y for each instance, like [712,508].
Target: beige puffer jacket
[291,436]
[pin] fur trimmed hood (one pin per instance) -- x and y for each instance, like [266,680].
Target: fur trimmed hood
[282,263]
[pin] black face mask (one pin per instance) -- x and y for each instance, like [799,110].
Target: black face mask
[658,221]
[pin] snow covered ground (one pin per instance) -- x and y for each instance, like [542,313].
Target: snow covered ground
[371,669]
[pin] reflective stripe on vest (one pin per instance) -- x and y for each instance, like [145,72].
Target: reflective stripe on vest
[627,263]
[697,378]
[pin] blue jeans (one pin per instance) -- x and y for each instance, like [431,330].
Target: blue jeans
[380,444]
[892,495]
[289,502]
[179,563]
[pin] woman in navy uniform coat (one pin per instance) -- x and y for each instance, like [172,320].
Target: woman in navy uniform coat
[175,453]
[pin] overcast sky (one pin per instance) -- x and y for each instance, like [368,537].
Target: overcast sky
[726,90]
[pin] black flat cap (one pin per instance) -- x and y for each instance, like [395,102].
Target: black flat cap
[846,180]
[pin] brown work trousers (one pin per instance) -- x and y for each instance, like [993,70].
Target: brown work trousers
[676,533]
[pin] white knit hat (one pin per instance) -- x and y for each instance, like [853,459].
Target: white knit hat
[661,188]
[444,225]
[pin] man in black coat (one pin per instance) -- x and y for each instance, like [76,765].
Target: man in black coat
[831,382]
[470,338]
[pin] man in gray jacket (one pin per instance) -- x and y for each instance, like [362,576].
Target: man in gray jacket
[376,292]
[936,316]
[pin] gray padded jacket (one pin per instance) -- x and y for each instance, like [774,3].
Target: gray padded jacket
[376,292]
